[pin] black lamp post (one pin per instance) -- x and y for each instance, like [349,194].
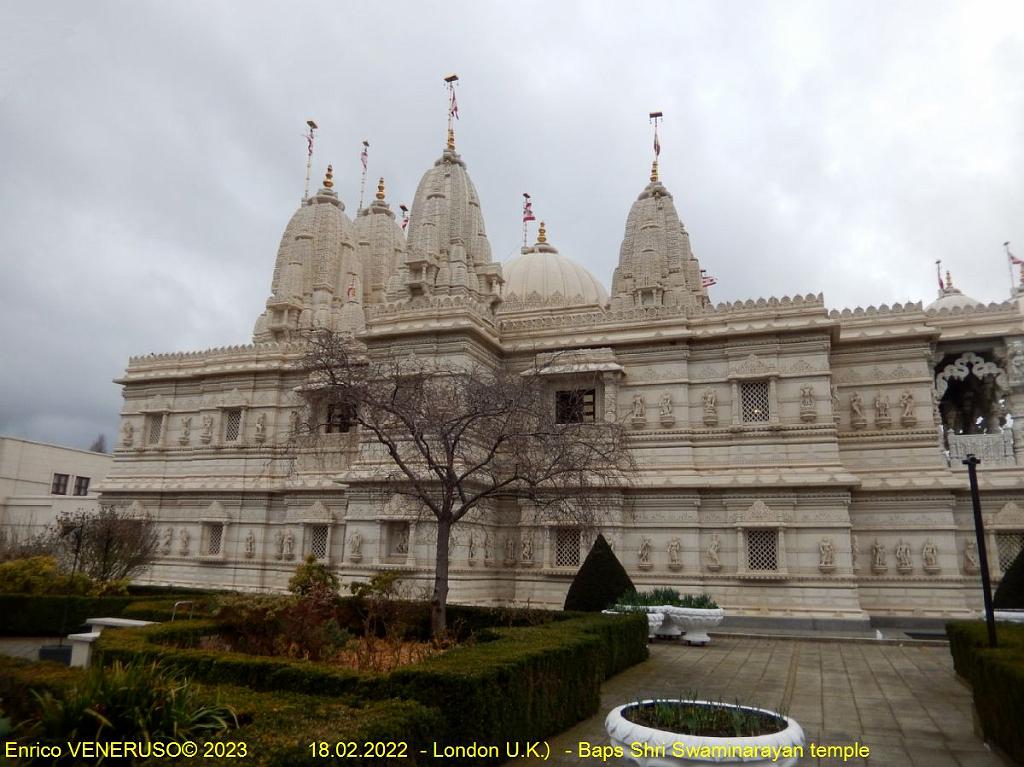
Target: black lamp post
[972,462]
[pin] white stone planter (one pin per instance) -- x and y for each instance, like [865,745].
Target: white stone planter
[654,621]
[655,616]
[663,746]
[695,622]
[670,628]
[1010,616]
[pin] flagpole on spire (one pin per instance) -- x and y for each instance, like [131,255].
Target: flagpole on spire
[309,156]
[656,117]
[364,158]
[527,214]
[1014,261]
[453,108]
[938,272]
[405,215]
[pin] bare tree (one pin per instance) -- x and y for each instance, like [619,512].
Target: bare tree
[107,545]
[457,436]
[99,445]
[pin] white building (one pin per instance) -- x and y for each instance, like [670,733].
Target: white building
[39,481]
[795,461]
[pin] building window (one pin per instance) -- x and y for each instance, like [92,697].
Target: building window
[154,426]
[232,425]
[575,406]
[754,401]
[339,419]
[1009,546]
[60,484]
[762,550]
[318,541]
[567,547]
[214,538]
[81,485]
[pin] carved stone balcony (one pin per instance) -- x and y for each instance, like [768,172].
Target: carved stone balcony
[990,449]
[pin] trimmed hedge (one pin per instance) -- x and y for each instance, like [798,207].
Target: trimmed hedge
[996,678]
[28,615]
[525,683]
[277,728]
[600,581]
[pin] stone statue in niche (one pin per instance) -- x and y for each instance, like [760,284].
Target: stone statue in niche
[206,430]
[261,427]
[527,552]
[879,557]
[186,430]
[127,434]
[971,565]
[835,401]
[402,540]
[250,545]
[645,552]
[488,548]
[639,407]
[355,547]
[289,545]
[471,547]
[826,555]
[293,422]
[930,557]
[710,408]
[183,541]
[167,542]
[808,411]
[675,551]
[903,561]
[665,404]
[854,552]
[510,549]
[881,404]
[713,561]
[1017,361]
[907,417]
[279,545]
[857,419]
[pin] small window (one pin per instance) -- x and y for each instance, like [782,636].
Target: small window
[154,426]
[567,547]
[318,541]
[214,538]
[754,401]
[763,550]
[60,484]
[232,425]
[574,406]
[1009,546]
[339,419]
[81,485]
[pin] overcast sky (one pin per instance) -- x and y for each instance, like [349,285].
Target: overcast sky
[151,153]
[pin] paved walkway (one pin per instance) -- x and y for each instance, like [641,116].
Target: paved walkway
[902,701]
[24,647]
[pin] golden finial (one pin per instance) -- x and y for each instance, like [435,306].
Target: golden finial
[380,188]
[328,178]
[949,280]
[451,138]
[542,233]
[654,171]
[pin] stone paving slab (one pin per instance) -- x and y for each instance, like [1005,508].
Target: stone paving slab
[903,702]
[24,647]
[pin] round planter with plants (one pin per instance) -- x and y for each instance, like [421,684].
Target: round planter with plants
[673,733]
[689,614]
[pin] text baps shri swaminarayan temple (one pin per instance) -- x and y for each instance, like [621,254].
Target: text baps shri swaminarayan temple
[794,461]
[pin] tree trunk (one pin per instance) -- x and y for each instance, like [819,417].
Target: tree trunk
[439,599]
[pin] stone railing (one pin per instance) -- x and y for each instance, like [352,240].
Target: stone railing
[990,449]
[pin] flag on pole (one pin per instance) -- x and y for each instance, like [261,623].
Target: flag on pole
[657,144]
[453,107]
[708,281]
[364,156]
[1013,259]
[527,209]
[405,216]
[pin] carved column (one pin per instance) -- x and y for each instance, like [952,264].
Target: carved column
[737,409]
[773,401]
[611,397]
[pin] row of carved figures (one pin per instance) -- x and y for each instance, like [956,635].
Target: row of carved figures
[284,543]
[206,427]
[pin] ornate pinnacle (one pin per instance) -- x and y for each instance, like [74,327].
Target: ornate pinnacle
[542,233]
[328,177]
[380,189]
[654,171]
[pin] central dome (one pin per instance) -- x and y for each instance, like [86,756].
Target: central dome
[543,277]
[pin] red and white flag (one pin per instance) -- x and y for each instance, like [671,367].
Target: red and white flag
[405,216]
[364,156]
[657,144]
[453,107]
[527,209]
[707,281]
[1013,259]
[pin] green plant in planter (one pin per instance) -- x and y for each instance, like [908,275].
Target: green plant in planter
[134,701]
[666,596]
[709,719]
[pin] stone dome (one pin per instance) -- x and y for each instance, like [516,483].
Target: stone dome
[542,277]
[951,298]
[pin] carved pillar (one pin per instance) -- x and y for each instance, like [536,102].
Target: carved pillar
[741,546]
[737,410]
[611,397]
[773,401]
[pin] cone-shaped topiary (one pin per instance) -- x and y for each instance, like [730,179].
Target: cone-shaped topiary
[1010,594]
[599,582]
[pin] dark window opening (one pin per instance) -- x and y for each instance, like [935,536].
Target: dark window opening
[339,418]
[81,485]
[574,406]
[60,484]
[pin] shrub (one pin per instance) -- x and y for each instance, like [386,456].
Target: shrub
[599,582]
[1010,594]
[312,575]
[25,615]
[40,575]
[667,596]
[292,627]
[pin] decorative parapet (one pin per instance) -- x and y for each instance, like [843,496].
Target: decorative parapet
[990,449]
[417,306]
[884,310]
[989,308]
[216,353]
[811,300]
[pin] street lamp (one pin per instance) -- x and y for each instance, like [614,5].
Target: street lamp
[971,461]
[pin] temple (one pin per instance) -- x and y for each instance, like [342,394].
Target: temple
[795,461]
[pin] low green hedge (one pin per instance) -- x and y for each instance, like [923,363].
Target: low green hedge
[277,728]
[30,615]
[996,677]
[525,683]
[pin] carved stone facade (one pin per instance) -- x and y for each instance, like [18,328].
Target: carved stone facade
[793,460]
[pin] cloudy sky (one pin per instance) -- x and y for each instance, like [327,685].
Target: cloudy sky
[151,153]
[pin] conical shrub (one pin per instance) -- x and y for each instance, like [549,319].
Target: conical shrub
[1010,594]
[599,582]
